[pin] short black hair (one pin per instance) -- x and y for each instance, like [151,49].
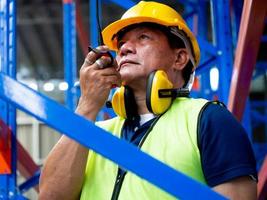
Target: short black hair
[174,42]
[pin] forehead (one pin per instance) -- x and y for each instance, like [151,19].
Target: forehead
[136,28]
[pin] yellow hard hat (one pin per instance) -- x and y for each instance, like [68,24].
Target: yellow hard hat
[155,13]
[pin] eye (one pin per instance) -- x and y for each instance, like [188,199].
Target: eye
[143,36]
[120,43]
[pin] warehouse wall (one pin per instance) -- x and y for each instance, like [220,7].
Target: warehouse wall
[38,139]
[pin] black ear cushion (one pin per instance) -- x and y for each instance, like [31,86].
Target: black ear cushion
[130,103]
[149,90]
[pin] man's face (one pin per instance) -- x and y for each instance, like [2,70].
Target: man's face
[142,50]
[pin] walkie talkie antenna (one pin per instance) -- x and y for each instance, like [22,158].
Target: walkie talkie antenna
[100,37]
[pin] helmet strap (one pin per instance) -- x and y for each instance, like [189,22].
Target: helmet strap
[174,30]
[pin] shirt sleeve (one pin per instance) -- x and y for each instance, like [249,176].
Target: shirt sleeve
[225,149]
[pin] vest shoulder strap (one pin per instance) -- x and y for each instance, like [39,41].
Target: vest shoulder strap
[200,117]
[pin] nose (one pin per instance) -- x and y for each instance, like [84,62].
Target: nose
[126,48]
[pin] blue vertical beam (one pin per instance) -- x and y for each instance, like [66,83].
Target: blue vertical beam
[236,10]
[70,57]
[189,14]
[11,71]
[223,40]
[196,15]
[8,66]
[93,23]
[203,32]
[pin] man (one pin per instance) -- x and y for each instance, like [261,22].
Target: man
[198,138]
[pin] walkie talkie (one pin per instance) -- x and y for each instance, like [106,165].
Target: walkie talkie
[97,51]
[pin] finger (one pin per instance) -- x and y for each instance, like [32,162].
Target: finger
[94,54]
[103,62]
[88,62]
[90,59]
[98,51]
[103,51]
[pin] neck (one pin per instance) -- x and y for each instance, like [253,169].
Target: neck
[142,108]
[177,80]
[140,98]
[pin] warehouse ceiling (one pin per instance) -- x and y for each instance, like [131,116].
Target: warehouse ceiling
[39,39]
[40,36]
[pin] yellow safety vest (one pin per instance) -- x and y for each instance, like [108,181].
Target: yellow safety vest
[173,140]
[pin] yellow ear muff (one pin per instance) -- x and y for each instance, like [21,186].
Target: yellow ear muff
[158,80]
[123,103]
[118,102]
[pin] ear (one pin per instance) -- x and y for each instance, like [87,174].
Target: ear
[182,58]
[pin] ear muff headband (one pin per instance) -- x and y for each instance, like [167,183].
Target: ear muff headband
[158,80]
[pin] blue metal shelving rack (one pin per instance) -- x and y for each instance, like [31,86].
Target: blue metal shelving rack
[216,52]
[70,58]
[8,188]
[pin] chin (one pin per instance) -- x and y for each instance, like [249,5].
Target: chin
[131,78]
[127,77]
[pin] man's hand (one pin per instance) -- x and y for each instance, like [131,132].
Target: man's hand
[97,76]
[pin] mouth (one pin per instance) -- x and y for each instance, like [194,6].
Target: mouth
[123,63]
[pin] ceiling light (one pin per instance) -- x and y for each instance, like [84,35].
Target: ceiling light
[48,87]
[63,86]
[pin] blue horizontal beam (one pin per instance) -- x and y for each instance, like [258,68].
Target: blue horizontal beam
[256,104]
[102,142]
[124,4]
[207,46]
[190,3]
[206,65]
[259,117]
[31,182]
[261,65]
